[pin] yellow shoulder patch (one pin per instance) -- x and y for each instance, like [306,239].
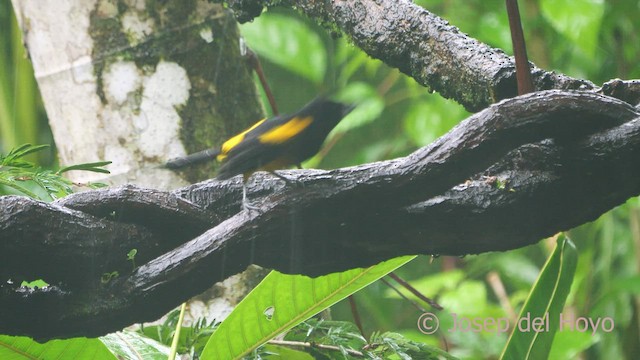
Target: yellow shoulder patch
[285,131]
[232,142]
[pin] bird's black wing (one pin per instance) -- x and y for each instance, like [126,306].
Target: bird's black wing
[266,145]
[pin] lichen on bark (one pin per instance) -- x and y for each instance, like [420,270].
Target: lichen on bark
[200,37]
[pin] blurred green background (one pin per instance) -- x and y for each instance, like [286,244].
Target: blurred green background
[22,116]
[590,39]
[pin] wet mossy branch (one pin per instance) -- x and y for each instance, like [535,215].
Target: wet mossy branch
[520,170]
[426,47]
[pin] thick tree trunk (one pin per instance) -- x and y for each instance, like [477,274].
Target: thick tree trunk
[137,83]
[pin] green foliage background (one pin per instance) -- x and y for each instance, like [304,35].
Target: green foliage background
[22,116]
[595,40]
[590,39]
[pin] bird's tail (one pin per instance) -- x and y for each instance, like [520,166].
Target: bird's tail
[192,159]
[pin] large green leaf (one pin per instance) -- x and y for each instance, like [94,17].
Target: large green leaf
[577,20]
[20,348]
[125,345]
[19,96]
[540,316]
[281,301]
[132,345]
[301,51]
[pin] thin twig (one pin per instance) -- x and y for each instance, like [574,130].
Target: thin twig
[415,304]
[356,315]
[493,278]
[254,61]
[415,292]
[523,72]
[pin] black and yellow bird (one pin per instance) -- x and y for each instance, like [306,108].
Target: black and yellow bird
[271,144]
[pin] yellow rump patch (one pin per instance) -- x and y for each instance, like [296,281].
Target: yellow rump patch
[285,131]
[232,142]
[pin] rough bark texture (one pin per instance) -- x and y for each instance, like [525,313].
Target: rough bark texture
[520,170]
[535,165]
[423,46]
[138,83]
[427,48]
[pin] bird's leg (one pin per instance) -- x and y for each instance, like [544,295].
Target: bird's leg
[299,166]
[245,202]
[246,206]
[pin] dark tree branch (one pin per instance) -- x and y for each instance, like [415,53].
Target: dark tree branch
[423,46]
[625,90]
[430,50]
[91,240]
[529,167]
[564,159]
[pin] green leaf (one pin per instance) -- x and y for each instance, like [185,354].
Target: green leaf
[20,116]
[94,167]
[545,302]
[619,288]
[39,283]
[27,149]
[12,158]
[577,20]
[428,118]
[96,185]
[20,347]
[285,353]
[389,344]
[369,105]
[473,301]
[27,178]
[281,301]
[14,185]
[301,51]
[569,344]
[351,61]
[131,255]
[192,338]
[132,345]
